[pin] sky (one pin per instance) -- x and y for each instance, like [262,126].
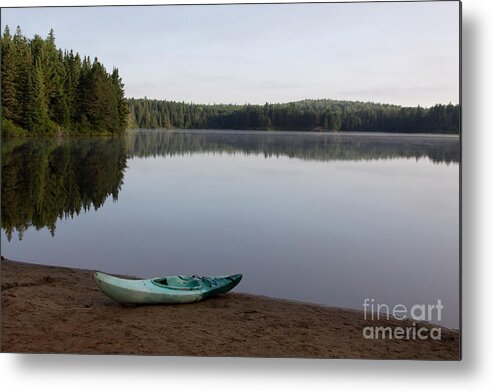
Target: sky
[401,53]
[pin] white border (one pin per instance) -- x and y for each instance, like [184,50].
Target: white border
[94,373]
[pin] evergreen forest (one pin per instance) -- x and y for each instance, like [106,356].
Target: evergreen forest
[49,91]
[306,115]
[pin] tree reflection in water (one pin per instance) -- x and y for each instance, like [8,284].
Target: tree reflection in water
[44,179]
[47,179]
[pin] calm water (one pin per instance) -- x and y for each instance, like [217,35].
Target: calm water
[330,219]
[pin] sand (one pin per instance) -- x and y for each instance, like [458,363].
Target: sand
[60,310]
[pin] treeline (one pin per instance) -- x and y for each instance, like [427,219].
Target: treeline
[49,91]
[320,115]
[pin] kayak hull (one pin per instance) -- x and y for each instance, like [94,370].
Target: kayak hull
[152,291]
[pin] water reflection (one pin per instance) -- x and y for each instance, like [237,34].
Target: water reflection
[302,145]
[44,180]
[47,179]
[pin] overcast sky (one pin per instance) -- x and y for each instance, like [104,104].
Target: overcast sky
[403,53]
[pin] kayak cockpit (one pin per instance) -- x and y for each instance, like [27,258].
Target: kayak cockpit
[178,283]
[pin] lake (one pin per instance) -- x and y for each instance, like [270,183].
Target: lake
[325,218]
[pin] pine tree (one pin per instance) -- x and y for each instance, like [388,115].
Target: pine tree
[37,115]
[122,106]
[10,107]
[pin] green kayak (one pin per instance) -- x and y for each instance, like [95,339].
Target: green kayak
[164,290]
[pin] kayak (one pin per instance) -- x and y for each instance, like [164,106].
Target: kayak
[164,290]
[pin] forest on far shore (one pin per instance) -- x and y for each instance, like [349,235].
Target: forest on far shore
[306,115]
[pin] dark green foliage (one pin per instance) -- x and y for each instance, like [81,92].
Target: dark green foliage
[47,91]
[9,78]
[319,115]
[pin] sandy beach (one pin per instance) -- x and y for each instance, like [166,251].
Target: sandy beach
[60,310]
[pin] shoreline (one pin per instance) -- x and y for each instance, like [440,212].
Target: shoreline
[68,135]
[295,132]
[50,309]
